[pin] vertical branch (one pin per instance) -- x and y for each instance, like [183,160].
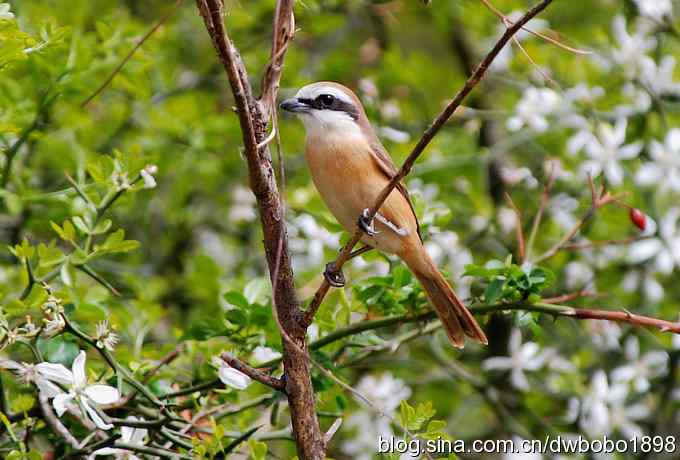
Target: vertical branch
[253,117]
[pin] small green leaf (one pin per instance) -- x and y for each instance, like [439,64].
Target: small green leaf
[58,350]
[494,290]
[255,290]
[236,299]
[258,450]
[81,225]
[102,227]
[69,230]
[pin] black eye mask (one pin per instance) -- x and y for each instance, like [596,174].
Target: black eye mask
[329,102]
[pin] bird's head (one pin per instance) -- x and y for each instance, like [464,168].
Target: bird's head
[327,108]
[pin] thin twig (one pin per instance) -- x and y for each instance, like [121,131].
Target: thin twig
[131,53]
[519,230]
[265,379]
[506,21]
[545,196]
[54,422]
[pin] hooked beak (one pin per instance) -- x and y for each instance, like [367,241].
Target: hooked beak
[294,105]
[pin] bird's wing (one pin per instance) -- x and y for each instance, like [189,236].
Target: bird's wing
[386,165]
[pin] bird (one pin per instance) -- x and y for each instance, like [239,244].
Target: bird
[350,167]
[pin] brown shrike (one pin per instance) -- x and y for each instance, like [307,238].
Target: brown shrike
[350,168]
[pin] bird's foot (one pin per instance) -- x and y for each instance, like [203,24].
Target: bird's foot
[396,229]
[367,225]
[334,276]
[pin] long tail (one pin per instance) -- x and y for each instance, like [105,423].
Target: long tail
[457,320]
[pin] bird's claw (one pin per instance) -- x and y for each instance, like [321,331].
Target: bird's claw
[367,225]
[334,276]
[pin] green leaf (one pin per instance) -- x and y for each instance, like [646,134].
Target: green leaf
[255,290]
[67,274]
[49,255]
[423,412]
[116,242]
[494,290]
[237,317]
[58,230]
[69,231]
[237,299]
[102,227]
[407,414]
[402,276]
[81,225]
[58,350]
[495,264]
[258,450]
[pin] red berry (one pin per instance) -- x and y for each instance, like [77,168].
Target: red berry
[637,218]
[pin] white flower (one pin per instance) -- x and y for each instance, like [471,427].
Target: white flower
[631,48]
[664,169]
[128,435]
[664,250]
[513,176]
[446,249]
[507,219]
[657,10]
[230,376]
[579,275]
[523,357]
[640,369]
[607,149]
[603,409]
[87,396]
[308,241]
[243,205]
[28,373]
[561,207]
[147,175]
[640,101]
[5,13]
[643,280]
[659,78]
[106,338]
[386,392]
[531,111]
[53,323]
[390,109]
[605,334]
[264,354]
[395,135]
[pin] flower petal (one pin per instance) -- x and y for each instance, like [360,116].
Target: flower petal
[78,368]
[649,174]
[61,401]
[233,378]
[94,415]
[55,372]
[102,394]
[48,389]
[118,453]
[497,362]
[643,250]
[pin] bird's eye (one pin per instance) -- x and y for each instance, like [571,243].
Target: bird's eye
[326,100]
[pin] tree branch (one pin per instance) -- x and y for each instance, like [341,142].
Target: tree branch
[253,118]
[265,379]
[424,141]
